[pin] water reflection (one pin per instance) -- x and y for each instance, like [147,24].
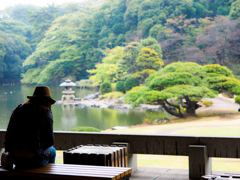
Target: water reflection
[9,99]
[68,119]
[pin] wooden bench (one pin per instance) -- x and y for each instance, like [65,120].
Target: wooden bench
[102,155]
[70,172]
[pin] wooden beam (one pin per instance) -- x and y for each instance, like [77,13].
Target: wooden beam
[228,147]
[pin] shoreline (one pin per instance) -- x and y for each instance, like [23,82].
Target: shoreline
[218,120]
[92,100]
[108,103]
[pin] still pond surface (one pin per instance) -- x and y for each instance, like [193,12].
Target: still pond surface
[69,117]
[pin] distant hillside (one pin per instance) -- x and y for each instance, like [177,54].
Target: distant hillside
[66,41]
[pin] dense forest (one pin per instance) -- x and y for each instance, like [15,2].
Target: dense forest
[116,39]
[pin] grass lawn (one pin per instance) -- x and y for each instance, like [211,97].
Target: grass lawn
[210,131]
[176,162]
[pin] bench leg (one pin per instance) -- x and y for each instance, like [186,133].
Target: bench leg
[127,177]
[132,158]
[199,163]
[132,161]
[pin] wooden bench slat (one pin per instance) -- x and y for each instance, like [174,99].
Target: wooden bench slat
[55,171]
[71,171]
[56,176]
[110,172]
[119,169]
[86,174]
[60,174]
[91,166]
[80,172]
[96,168]
[126,170]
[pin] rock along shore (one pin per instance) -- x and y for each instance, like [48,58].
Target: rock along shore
[107,103]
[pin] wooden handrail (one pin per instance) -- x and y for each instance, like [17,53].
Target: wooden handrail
[199,149]
[228,147]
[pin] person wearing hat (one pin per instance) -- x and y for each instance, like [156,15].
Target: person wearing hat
[29,137]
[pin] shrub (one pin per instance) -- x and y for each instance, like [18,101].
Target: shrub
[86,129]
[120,86]
[105,87]
[207,103]
[130,83]
[113,85]
[237,99]
[112,95]
[134,95]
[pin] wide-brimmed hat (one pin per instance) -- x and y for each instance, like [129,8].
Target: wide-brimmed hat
[42,92]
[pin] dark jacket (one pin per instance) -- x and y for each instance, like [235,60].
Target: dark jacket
[30,129]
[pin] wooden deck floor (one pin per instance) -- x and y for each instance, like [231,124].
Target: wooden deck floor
[162,174]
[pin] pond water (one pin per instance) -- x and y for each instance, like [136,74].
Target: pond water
[69,117]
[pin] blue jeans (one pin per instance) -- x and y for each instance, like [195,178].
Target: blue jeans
[36,161]
[51,158]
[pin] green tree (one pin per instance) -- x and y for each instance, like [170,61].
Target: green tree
[144,26]
[120,86]
[41,20]
[68,49]
[158,32]
[108,69]
[15,27]
[149,59]
[130,83]
[134,95]
[220,79]
[105,87]
[68,44]
[19,12]
[173,78]
[178,93]
[219,7]
[235,10]
[109,23]
[237,99]
[152,44]
[128,62]
[143,75]
[181,85]
[13,49]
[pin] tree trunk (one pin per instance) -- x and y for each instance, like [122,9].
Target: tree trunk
[191,109]
[174,113]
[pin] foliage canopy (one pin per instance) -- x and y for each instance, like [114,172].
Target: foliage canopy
[181,85]
[70,39]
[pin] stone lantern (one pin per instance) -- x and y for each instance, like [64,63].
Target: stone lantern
[68,93]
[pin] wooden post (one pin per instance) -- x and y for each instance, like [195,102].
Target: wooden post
[199,163]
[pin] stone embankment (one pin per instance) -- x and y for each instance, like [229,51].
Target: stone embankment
[92,100]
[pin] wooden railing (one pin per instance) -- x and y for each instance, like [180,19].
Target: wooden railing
[199,149]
